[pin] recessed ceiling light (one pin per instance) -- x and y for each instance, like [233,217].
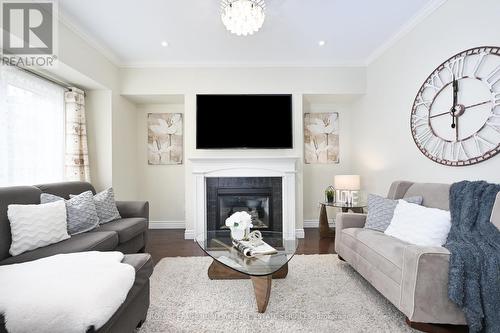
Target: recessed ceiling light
[164,44]
[321,43]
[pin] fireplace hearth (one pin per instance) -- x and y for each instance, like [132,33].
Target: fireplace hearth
[261,197]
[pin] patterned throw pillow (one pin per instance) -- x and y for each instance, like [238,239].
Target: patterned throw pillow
[34,226]
[80,209]
[381,210]
[106,206]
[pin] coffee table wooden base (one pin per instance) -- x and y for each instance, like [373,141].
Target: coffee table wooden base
[261,284]
[262,291]
[218,271]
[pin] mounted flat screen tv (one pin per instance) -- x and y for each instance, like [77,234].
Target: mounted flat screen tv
[244,122]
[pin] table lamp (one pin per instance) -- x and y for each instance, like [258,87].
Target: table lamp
[347,184]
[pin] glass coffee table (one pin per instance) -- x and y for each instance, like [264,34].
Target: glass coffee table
[229,263]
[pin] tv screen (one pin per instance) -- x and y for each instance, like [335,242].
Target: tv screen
[244,121]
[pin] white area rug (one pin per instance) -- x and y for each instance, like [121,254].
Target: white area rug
[320,294]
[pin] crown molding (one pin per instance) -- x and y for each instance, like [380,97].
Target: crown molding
[420,16]
[139,65]
[71,24]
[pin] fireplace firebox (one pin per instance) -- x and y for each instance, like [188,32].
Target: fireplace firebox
[261,197]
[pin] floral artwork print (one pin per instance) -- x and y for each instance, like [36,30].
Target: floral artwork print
[165,138]
[321,138]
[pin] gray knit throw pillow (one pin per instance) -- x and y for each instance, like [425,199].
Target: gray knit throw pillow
[81,214]
[106,206]
[381,211]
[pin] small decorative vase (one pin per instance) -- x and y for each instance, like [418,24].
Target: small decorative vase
[238,233]
[330,194]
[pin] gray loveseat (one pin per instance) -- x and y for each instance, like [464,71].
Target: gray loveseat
[413,278]
[127,235]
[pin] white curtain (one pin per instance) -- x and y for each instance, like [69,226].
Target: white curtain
[31,129]
[77,153]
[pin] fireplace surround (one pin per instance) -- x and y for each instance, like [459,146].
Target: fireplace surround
[205,168]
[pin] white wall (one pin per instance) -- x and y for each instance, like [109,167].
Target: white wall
[162,185]
[124,148]
[99,137]
[327,80]
[82,63]
[383,145]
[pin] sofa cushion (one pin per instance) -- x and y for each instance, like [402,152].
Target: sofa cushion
[89,241]
[126,228]
[382,251]
[435,195]
[64,189]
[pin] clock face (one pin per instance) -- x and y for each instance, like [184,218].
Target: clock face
[455,119]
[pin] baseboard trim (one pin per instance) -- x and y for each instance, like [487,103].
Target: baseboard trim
[167,224]
[315,223]
[189,234]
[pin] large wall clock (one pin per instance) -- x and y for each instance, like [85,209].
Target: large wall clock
[455,119]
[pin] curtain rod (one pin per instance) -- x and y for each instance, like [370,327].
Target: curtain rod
[62,84]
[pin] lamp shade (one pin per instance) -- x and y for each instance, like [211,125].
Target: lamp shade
[347,182]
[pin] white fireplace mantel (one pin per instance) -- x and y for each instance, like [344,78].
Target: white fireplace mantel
[266,166]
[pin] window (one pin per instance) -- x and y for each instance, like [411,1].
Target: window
[31,129]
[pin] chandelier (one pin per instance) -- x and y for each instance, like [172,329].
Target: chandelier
[242,17]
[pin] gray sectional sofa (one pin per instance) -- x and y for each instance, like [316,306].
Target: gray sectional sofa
[127,235]
[413,278]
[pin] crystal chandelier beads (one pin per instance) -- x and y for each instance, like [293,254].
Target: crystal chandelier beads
[243,17]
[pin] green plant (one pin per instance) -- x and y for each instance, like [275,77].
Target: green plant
[330,194]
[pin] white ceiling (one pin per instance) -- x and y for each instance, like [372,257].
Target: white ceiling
[130,32]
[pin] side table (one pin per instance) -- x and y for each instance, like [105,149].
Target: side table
[324,229]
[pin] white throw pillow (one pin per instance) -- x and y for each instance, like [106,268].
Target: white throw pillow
[419,225]
[34,226]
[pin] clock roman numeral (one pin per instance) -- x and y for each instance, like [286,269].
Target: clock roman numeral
[439,148]
[496,99]
[494,126]
[460,151]
[424,137]
[456,67]
[419,121]
[490,80]
[421,101]
[477,145]
[478,64]
[488,144]
[434,82]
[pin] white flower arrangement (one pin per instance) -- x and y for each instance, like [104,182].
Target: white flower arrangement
[240,224]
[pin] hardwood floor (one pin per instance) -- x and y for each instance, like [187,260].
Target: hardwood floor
[171,243]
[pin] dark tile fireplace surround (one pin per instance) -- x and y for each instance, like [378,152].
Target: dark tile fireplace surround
[261,197]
